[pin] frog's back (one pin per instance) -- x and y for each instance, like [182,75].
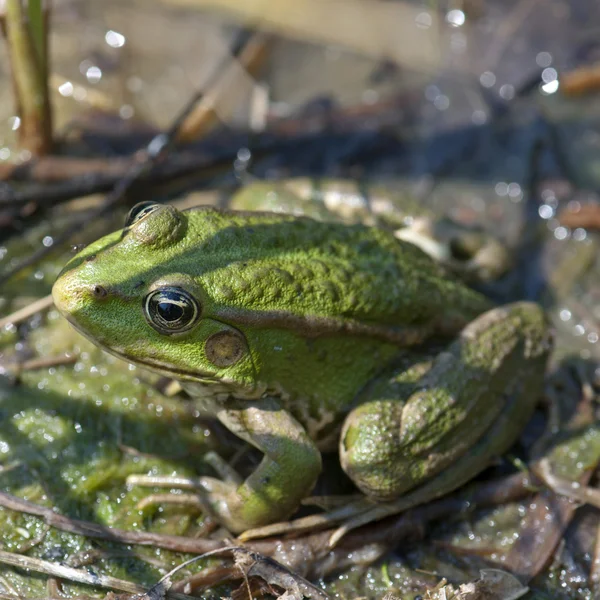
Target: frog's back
[271,263]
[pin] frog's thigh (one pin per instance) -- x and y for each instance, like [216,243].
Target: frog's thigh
[412,429]
[286,474]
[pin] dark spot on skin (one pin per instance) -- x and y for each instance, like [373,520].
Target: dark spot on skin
[139,284]
[90,258]
[99,292]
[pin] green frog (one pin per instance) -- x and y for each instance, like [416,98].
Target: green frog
[304,335]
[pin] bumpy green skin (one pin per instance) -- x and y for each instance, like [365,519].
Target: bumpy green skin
[318,312]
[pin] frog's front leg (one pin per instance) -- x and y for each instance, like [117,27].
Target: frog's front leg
[286,474]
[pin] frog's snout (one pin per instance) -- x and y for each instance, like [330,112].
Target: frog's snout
[71,295]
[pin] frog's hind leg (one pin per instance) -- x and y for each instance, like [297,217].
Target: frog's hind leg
[466,409]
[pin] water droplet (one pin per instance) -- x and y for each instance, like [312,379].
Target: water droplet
[543,59]
[114,39]
[478,117]
[561,233]
[507,91]
[126,111]
[66,89]
[549,75]
[487,79]
[550,88]
[94,74]
[244,154]
[423,20]
[456,18]
[442,102]
[565,314]
[501,188]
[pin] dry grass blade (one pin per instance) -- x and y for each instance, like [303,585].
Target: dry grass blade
[232,87]
[80,576]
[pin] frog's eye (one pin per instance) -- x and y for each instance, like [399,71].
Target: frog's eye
[139,211]
[171,310]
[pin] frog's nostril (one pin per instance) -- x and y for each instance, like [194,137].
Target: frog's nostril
[71,295]
[99,292]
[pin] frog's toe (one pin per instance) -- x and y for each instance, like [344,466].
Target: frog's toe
[152,500]
[182,483]
[225,503]
[312,522]
[371,514]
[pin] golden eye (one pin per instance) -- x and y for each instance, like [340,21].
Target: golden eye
[139,211]
[171,310]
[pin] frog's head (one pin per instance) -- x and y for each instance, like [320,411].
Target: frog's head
[139,293]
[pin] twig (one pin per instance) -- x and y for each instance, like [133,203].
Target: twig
[586,216]
[105,581]
[27,311]
[582,80]
[105,176]
[92,530]
[54,168]
[41,363]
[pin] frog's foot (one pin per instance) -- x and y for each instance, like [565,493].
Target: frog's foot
[220,465]
[330,502]
[198,484]
[273,491]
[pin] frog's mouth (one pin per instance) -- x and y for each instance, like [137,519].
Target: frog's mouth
[163,369]
[156,366]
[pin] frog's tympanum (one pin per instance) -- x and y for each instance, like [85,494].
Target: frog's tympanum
[300,335]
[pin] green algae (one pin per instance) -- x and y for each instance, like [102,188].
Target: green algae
[69,437]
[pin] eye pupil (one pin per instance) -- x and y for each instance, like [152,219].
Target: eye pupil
[171,310]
